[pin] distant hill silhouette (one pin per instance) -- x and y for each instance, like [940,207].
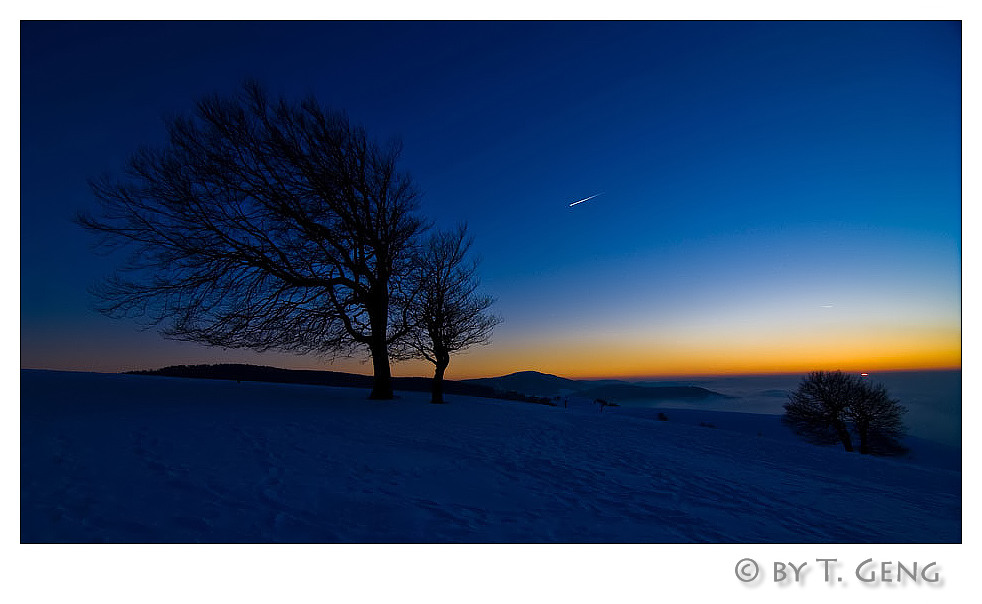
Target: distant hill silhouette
[530,382]
[628,392]
[527,386]
[262,373]
[545,384]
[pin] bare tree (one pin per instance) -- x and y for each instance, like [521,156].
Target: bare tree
[266,225]
[817,409]
[448,314]
[830,407]
[877,420]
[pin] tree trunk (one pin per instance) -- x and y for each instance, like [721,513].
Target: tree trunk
[863,441]
[441,368]
[378,318]
[843,432]
[382,383]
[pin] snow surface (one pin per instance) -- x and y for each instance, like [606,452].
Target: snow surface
[133,459]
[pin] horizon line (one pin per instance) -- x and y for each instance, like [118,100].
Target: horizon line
[626,378]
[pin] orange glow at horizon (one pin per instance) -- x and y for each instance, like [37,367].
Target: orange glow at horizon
[587,359]
[574,358]
[681,352]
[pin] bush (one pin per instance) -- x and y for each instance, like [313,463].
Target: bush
[832,407]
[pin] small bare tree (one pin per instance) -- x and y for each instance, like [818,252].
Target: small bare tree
[448,314]
[877,420]
[264,224]
[817,409]
[831,406]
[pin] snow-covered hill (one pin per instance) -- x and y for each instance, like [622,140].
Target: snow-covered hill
[145,459]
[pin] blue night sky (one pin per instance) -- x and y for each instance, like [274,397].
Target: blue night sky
[776,196]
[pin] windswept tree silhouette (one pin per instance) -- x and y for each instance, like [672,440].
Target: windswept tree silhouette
[877,420]
[264,224]
[448,314]
[817,409]
[833,407]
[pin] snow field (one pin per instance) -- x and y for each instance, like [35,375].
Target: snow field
[137,459]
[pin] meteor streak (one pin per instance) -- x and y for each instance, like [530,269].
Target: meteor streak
[587,199]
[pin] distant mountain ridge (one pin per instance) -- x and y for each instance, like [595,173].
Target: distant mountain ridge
[528,386]
[544,384]
[263,373]
[534,383]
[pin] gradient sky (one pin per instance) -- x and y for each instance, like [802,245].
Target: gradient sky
[777,196]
